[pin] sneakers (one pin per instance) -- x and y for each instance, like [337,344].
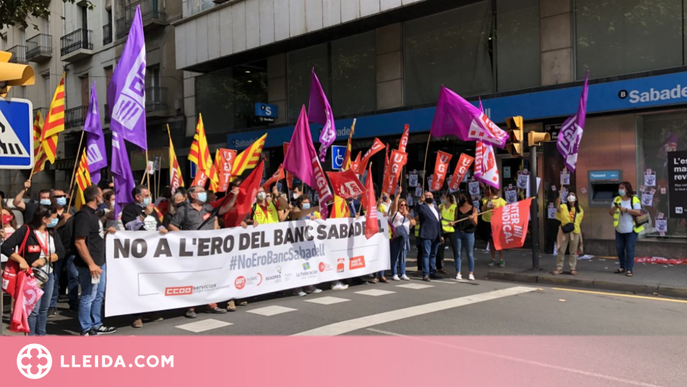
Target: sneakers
[459,277]
[317,291]
[103,330]
[138,323]
[312,290]
[52,312]
[231,306]
[426,279]
[395,278]
[91,332]
[299,293]
[190,313]
[338,285]
[218,310]
[471,277]
[502,263]
[405,277]
[491,263]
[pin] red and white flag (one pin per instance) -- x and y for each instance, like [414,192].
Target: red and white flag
[278,175]
[486,169]
[377,146]
[346,184]
[355,164]
[370,204]
[224,162]
[404,139]
[462,168]
[509,224]
[440,170]
[396,163]
[386,170]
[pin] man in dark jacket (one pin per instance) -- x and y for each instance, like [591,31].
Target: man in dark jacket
[430,234]
[141,215]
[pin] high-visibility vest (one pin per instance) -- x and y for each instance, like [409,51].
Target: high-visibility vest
[616,214]
[448,215]
[272,215]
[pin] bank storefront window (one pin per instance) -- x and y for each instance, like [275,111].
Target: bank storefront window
[616,37]
[657,135]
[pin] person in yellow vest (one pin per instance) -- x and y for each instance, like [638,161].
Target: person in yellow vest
[266,212]
[447,208]
[304,211]
[624,207]
[570,215]
[490,202]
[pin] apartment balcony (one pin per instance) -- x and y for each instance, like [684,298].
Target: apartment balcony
[107,34]
[39,48]
[76,45]
[18,54]
[75,117]
[157,102]
[152,17]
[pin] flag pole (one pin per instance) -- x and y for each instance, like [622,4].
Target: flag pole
[76,163]
[424,166]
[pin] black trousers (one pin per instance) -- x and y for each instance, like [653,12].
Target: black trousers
[420,254]
[449,239]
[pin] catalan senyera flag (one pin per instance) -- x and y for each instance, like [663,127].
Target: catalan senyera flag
[349,149]
[340,209]
[54,123]
[249,158]
[38,154]
[175,177]
[83,180]
[199,154]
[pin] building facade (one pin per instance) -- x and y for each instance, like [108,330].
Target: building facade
[384,61]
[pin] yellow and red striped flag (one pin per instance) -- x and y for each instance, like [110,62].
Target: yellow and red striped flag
[54,123]
[200,155]
[83,180]
[249,158]
[340,208]
[175,177]
[38,154]
[349,149]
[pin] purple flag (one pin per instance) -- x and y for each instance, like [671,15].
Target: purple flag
[569,137]
[320,112]
[126,92]
[456,116]
[121,172]
[95,141]
[301,160]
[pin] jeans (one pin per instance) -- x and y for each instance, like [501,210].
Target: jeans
[429,256]
[38,319]
[465,240]
[91,304]
[399,252]
[625,247]
[73,282]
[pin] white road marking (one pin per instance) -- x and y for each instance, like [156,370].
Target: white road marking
[445,282]
[375,292]
[203,325]
[270,311]
[327,300]
[414,286]
[343,327]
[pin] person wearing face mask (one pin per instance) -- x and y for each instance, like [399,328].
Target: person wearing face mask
[570,215]
[265,212]
[29,207]
[400,242]
[141,215]
[59,202]
[430,233]
[624,207]
[304,211]
[448,216]
[9,226]
[178,199]
[490,202]
[43,248]
[465,225]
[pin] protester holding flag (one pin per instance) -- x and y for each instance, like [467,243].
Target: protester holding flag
[448,233]
[400,242]
[30,206]
[59,202]
[570,215]
[465,225]
[490,202]
[306,212]
[266,212]
[430,234]
[625,206]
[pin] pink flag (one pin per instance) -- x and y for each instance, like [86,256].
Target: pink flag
[301,160]
[456,116]
[569,138]
[486,169]
[320,112]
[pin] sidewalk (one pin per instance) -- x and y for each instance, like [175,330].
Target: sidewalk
[596,273]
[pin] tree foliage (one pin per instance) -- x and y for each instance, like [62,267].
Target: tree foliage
[15,12]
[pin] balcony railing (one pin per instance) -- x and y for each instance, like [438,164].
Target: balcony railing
[75,117]
[107,33]
[77,40]
[39,48]
[156,99]
[123,27]
[150,11]
[18,54]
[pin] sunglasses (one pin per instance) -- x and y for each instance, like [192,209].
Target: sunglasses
[61,196]
[403,205]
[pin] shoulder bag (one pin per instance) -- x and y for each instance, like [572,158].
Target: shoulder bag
[9,275]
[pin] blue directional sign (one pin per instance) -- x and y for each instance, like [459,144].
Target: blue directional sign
[16,134]
[338,154]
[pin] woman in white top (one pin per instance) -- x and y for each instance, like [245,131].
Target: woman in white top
[624,207]
[400,242]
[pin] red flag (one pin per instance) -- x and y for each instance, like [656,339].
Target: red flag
[370,203]
[278,175]
[248,190]
[386,170]
[404,139]
[289,177]
[486,168]
[200,179]
[440,169]
[376,147]
[397,161]
[462,168]
[346,184]
[356,164]
[509,225]
[224,163]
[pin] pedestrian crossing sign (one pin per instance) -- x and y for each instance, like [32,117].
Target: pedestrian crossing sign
[16,133]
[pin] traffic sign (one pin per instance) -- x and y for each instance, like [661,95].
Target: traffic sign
[16,133]
[338,154]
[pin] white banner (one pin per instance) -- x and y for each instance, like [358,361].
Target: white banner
[147,271]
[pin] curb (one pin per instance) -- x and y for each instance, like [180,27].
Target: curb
[669,291]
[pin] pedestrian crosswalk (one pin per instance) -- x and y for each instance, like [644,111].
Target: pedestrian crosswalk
[328,300]
[272,310]
[204,325]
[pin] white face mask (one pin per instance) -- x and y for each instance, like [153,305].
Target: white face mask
[572,198]
[261,196]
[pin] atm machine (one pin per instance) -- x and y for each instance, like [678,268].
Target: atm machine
[603,187]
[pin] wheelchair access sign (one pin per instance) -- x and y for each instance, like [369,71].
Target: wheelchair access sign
[338,154]
[16,134]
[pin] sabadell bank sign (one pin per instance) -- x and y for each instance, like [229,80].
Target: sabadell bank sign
[654,95]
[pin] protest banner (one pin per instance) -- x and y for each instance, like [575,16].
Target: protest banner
[509,225]
[148,271]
